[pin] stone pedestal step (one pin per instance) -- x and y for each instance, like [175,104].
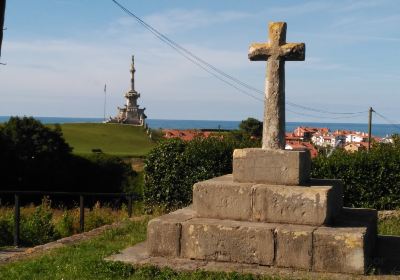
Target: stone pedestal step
[316,203]
[275,167]
[344,248]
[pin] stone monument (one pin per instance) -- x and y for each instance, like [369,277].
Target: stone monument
[269,212]
[131,113]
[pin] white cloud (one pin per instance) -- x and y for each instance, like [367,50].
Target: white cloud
[180,20]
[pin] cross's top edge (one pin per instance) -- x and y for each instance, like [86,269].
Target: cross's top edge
[277,46]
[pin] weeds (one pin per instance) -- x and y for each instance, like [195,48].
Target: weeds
[41,224]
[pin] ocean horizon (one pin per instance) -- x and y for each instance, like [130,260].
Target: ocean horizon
[380,130]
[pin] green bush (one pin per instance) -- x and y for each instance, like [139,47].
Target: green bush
[97,218]
[38,227]
[370,179]
[65,226]
[6,230]
[174,166]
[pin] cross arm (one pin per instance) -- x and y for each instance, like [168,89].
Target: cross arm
[293,51]
[288,51]
[260,51]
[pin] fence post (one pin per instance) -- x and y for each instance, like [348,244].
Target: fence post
[130,206]
[16,220]
[81,214]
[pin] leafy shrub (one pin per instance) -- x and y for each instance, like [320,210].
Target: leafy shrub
[174,166]
[370,179]
[97,218]
[38,227]
[6,229]
[65,225]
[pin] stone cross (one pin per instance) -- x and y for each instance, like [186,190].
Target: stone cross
[276,52]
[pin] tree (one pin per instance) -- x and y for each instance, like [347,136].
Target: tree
[28,139]
[252,127]
[31,152]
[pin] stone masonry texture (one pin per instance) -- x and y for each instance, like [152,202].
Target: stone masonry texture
[294,245]
[231,241]
[164,233]
[311,205]
[280,167]
[340,250]
[222,198]
[344,247]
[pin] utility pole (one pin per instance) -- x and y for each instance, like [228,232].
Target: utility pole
[105,100]
[370,111]
[2,16]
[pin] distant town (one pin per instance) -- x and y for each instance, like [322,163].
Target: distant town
[314,139]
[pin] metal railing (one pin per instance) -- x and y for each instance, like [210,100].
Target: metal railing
[17,195]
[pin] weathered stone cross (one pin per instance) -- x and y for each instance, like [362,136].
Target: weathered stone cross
[276,52]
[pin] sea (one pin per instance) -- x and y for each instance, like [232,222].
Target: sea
[380,130]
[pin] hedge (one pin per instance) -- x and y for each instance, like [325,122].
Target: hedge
[370,179]
[174,166]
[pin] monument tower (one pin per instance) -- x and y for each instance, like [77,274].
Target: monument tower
[130,113]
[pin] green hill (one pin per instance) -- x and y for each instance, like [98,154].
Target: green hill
[114,139]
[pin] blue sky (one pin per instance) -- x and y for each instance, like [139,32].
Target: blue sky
[60,53]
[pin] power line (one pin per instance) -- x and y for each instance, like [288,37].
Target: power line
[181,51]
[216,72]
[387,120]
[324,117]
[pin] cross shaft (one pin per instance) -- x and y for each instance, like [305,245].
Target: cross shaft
[275,52]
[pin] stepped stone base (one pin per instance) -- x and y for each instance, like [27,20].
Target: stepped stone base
[387,263]
[317,203]
[341,248]
[279,167]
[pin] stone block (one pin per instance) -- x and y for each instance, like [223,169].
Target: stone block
[221,198]
[294,245]
[227,240]
[361,217]
[164,233]
[306,205]
[341,250]
[281,167]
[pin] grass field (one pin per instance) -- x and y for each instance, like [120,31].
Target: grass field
[114,139]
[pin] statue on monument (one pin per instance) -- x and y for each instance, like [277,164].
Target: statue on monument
[131,113]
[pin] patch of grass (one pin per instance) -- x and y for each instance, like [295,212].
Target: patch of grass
[389,226]
[82,261]
[86,261]
[113,139]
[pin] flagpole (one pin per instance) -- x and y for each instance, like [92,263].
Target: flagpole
[105,100]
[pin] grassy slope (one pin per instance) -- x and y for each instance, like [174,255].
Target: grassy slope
[115,139]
